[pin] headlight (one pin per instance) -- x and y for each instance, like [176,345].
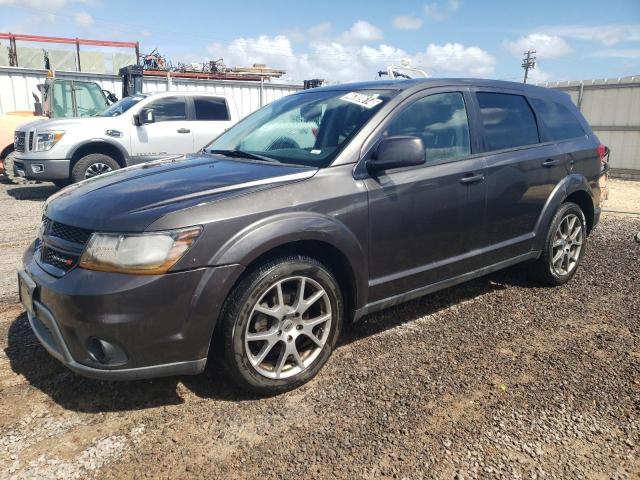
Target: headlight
[143,254]
[46,140]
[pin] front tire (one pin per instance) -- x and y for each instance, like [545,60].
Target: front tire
[8,172]
[564,246]
[93,165]
[280,324]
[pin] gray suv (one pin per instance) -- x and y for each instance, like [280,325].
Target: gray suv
[319,208]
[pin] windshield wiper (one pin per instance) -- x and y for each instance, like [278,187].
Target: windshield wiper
[242,154]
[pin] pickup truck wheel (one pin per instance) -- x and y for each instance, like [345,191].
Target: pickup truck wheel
[8,172]
[92,165]
[280,324]
[564,246]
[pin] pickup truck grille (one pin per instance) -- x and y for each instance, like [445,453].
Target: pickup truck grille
[31,145]
[62,256]
[19,141]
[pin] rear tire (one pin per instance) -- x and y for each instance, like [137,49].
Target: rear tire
[92,165]
[563,248]
[288,356]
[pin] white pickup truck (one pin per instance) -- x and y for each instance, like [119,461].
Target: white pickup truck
[134,130]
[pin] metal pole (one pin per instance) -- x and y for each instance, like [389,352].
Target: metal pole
[261,90]
[580,93]
[13,51]
[78,54]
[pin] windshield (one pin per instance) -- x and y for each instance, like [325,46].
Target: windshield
[121,106]
[305,129]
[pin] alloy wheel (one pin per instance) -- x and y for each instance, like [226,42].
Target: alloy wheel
[288,327]
[567,245]
[96,169]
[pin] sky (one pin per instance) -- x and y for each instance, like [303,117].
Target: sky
[351,40]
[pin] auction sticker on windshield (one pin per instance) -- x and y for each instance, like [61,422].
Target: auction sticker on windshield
[362,99]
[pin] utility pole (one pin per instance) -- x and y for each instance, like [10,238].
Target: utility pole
[528,62]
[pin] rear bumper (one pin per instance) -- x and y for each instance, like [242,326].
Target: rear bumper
[41,169]
[149,325]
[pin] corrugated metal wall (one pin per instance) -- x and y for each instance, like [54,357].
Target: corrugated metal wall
[18,84]
[612,108]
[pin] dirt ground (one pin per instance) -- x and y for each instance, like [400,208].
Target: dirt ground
[494,378]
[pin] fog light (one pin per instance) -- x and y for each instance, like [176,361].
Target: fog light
[37,168]
[105,352]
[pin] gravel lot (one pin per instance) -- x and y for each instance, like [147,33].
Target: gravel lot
[494,378]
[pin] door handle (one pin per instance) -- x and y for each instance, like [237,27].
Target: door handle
[472,178]
[183,130]
[551,163]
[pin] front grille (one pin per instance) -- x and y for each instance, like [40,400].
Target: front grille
[18,141]
[58,259]
[69,233]
[31,145]
[51,252]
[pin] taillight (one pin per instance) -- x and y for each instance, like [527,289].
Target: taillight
[602,151]
[603,154]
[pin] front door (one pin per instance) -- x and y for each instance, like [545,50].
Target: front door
[427,222]
[169,134]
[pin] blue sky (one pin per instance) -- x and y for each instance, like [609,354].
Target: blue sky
[351,40]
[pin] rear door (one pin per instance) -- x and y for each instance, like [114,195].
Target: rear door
[427,222]
[210,117]
[169,134]
[521,169]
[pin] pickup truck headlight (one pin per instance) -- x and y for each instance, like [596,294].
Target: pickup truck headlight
[142,254]
[46,140]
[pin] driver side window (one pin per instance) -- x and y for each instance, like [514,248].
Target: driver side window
[441,121]
[169,109]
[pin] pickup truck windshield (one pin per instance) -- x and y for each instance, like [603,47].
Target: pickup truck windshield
[309,128]
[121,106]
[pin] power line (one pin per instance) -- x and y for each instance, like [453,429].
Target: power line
[528,63]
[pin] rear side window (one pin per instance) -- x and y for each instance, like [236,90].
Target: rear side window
[169,108]
[559,122]
[211,108]
[508,121]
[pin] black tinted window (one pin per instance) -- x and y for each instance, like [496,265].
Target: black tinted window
[508,121]
[440,120]
[211,108]
[559,122]
[169,108]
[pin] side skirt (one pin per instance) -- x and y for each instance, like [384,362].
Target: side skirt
[434,287]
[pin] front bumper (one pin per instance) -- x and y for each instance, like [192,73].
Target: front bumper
[162,325]
[44,170]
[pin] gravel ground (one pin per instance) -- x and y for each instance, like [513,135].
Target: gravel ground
[494,378]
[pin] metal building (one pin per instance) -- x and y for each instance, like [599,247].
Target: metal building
[612,107]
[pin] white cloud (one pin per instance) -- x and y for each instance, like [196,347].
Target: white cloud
[320,31]
[546,46]
[441,11]
[607,35]
[537,75]
[361,32]
[337,61]
[619,53]
[407,22]
[455,58]
[83,19]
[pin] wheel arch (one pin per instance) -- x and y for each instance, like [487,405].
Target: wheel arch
[311,234]
[6,151]
[574,188]
[113,150]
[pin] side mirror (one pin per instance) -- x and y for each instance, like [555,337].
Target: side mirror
[146,116]
[397,152]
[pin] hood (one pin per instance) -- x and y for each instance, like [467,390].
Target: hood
[65,123]
[130,199]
